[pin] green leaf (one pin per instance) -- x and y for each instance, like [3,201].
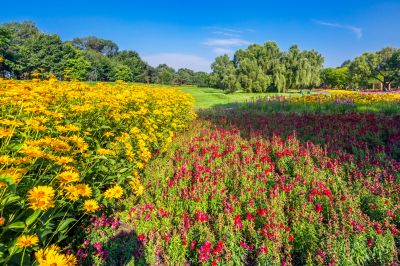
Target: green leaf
[123,170]
[11,198]
[16,225]
[31,219]
[63,225]
[7,179]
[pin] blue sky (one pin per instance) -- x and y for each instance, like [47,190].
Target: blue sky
[192,33]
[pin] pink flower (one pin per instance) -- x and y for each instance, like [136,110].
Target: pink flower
[205,251]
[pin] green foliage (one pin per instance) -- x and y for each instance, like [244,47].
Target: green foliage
[165,74]
[382,66]
[122,72]
[335,77]
[105,47]
[76,68]
[202,79]
[224,76]
[262,68]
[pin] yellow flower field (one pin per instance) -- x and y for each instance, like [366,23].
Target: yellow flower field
[355,96]
[69,149]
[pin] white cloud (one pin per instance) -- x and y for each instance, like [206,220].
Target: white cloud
[179,60]
[226,33]
[221,51]
[357,31]
[226,42]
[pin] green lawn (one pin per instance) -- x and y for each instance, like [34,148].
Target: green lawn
[208,97]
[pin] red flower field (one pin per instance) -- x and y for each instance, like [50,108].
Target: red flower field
[272,189]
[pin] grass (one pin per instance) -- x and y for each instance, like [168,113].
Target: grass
[209,97]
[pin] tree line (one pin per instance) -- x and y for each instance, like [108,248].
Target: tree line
[26,52]
[381,68]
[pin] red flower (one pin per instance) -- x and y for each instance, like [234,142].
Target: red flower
[238,221]
[262,212]
[141,237]
[205,251]
[250,216]
[200,216]
[318,207]
[193,245]
[218,248]
[291,238]
[263,250]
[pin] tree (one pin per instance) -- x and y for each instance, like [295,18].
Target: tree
[223,75]
[122,72]
[76,68]
[105,47]
[137,66]
[202,79]
[44,53]
[335,77]
[5,42]
[382,66]
[185,76]
[165,74]
[101,66]
[251,77]
[303,68]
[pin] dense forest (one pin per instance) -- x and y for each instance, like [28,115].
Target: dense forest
[26,52]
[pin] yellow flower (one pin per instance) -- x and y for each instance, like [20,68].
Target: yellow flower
[41,197]
[32,151]
[25,241]
[84,190]
[13,123]
[136,186]
[90,205]
[68,177]
[108,134]
[5,132]
[102,151]
[115,192]
[139,165]
[5,159]
[64,160]
[71,192]
[51,256]
[79,190]
[71,260]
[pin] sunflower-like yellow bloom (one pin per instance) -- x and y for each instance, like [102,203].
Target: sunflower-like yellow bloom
[26,241]
[74,192]
[41,198]
[68,177]
[51,256]
[114,192]
[90,205]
